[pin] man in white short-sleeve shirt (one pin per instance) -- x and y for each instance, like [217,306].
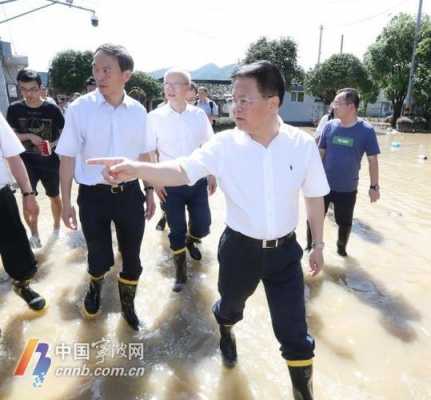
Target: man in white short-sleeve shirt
[261,167]
[106,122]
[179,129]
[17,256]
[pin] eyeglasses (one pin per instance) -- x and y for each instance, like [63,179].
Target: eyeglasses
[244,102]
[174,84]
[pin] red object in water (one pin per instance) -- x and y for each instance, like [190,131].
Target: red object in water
[45,148]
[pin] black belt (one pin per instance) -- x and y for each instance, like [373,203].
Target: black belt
[267,244]
[114,189]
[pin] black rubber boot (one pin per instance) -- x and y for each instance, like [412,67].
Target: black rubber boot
[161,225]
[343,238]
[91,306]
[228,346]
[127,297]
[34,300]
[302,382]
[309,237]
[181,271]
[194,252]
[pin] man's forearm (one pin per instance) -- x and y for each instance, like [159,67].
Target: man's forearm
[373,166]
[67,168]
[315,216]
[167,173]
[23,136]
[150,157]
[19,172]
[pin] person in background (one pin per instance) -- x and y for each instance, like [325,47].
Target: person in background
[191,98]
[179,129]
[342,145]
[38,125]
[90,84]
[209,106]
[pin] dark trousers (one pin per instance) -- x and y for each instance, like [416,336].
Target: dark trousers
[17,256]
[195,199]
[243,264]
[98,207]
[344,204]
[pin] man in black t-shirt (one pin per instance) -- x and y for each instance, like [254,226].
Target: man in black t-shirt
[38,125]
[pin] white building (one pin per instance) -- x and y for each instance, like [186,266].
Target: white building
[301,108]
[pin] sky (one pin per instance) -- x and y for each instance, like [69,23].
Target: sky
[192,33]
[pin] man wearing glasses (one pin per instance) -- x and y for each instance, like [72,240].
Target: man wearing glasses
[38,124]
[343,143]
[261,166]
[179,129]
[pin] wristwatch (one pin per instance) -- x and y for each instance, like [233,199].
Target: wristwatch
[25,194]
[374,187]
[315,244]
[148,188]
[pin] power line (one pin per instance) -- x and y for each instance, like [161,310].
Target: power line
[362,20]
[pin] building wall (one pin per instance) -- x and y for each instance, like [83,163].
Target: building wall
[9,66]
[301,108]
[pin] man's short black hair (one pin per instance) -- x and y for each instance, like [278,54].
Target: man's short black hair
[351,96]
[268,78]
[125,60]
[28,75]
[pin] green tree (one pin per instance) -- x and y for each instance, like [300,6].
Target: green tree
[337,72]
[282,52]
[69,70]
[150,86]
[422,84]
[389,59]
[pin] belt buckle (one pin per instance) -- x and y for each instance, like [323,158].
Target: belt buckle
[117,189]
[266,246]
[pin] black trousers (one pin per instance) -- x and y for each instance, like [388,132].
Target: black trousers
[195,199]
[344,204]
[243,264]
[17,256]
[98,207]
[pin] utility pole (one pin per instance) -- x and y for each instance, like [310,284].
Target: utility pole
[342,44]
[320,45]
[408,100]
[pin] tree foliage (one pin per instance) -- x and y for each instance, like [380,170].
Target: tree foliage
[69,70]
[422,84]
[282,52]
[337,72]
[150,86]
[389,59]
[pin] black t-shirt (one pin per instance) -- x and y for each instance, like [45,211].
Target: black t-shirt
[45,121]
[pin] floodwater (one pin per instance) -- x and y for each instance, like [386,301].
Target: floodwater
[370,313]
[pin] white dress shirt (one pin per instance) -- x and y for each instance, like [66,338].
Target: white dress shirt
[178,134]
[94,128]
[261,185]
[10,146]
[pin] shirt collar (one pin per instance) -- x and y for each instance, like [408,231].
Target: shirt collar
[100,99]
[172,111]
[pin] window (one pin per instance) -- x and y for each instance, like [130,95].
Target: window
[297,97]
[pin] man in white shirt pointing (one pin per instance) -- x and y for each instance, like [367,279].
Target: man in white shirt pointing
[261,167]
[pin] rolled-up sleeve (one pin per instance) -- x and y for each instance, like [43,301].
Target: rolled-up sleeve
[315,183]
[204,161]
[70,140]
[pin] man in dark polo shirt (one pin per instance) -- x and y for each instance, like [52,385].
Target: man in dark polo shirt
[38,124]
